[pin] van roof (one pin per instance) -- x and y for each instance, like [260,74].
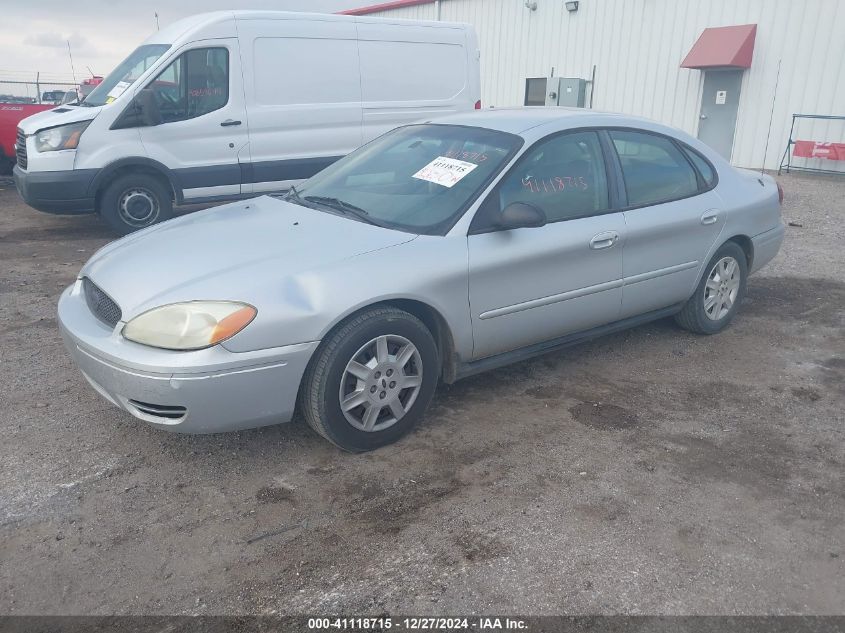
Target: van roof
[175,30]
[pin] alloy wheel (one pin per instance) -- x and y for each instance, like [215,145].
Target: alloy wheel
[380,383]
[721,288]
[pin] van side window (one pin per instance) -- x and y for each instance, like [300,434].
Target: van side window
[653,168]
[195,83]
[563,175]
[326,71]
[435,71]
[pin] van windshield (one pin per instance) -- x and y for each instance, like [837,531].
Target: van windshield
[418,178]
[126,73]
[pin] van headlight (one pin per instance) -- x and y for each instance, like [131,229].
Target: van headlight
[60,137]
[190,325]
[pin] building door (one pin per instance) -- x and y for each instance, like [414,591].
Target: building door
[719,103]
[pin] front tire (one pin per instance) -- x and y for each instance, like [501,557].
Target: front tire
[371,379]
[718,295]
[6,165]
[135,201]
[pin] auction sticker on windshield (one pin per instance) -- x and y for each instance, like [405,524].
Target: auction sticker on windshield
[118,90]
[445,171]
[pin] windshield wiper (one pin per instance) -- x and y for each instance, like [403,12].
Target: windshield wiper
[292,194]
[344,207]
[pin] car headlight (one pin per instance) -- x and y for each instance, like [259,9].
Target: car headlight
[61,137]
[190,325]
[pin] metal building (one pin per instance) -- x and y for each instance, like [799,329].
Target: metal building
[732,72]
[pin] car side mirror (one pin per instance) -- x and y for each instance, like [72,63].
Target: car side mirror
[142,111]
[521,215]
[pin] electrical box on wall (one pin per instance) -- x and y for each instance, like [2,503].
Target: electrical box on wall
[535,91]
[570,91]
[552,91]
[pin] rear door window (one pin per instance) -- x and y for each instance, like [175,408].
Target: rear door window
[702,165]
[653,167]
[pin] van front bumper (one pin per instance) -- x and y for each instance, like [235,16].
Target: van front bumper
[63,192]
[204,391]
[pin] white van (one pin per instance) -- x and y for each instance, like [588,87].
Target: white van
[230,104]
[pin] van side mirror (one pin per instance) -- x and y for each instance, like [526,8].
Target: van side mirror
[142,111]
[521,215]
[147,107]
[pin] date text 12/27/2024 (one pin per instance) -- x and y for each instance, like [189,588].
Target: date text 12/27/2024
[418,624]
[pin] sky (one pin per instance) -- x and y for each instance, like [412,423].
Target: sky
[103,32]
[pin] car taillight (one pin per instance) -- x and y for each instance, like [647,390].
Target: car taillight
[478,104]
[780,193]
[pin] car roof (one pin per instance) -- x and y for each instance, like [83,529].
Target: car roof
[521,119]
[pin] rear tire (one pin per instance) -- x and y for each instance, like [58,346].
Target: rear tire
[135,201]
[718,295]
[371,379]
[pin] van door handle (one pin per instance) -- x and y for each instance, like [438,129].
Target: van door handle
[230,122]
[604,240]
[710,217]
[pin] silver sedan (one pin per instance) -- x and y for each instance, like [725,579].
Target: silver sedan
[434,252]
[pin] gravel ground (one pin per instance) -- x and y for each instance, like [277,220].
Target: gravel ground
[652,471]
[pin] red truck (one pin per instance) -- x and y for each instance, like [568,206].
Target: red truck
[10,115]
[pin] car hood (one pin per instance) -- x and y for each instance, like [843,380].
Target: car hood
[60,115]
[239,252]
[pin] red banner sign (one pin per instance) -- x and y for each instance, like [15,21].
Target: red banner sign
[816,149]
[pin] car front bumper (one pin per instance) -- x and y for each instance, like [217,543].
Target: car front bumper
[62,192]
[204,391]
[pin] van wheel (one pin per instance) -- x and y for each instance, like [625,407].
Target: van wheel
[719,293]
[371,379]
[135,201]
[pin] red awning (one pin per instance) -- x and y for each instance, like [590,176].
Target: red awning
[723,47]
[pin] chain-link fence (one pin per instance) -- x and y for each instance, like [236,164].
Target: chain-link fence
[49,92]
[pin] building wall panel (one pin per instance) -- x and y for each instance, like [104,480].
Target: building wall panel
[637,47]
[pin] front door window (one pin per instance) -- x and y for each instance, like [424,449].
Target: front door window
[194,84]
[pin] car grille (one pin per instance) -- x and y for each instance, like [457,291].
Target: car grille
[20,149]
[166,411]
[100,303]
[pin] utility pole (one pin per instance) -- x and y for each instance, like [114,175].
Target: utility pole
[157,26]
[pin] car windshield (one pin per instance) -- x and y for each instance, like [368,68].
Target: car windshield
[125,74]
[418,178]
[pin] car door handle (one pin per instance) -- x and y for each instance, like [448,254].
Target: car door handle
[604,240]
[229,123]
[710,217]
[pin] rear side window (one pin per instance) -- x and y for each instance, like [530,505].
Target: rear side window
[702,166]
[654,169]
[563,175]
[195,83]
